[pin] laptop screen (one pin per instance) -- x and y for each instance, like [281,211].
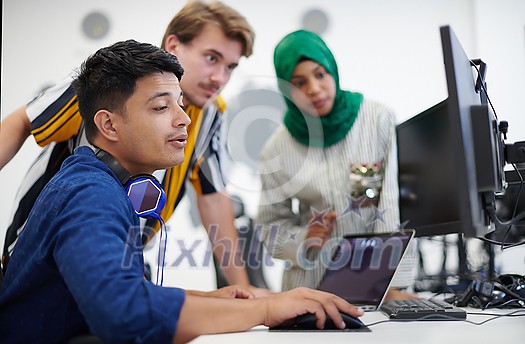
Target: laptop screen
[363,266]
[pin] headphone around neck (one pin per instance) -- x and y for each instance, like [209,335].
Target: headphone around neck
[144,190]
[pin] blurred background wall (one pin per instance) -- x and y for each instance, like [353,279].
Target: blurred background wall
[388,50]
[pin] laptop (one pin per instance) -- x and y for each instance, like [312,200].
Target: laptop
[363,266]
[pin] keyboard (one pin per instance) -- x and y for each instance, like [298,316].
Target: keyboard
[422,310]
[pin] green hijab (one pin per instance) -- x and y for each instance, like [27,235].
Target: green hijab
[333,127]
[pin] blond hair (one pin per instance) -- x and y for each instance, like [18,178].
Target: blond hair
[191,19]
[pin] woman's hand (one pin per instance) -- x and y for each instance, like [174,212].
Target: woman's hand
[396,294]
[319,233]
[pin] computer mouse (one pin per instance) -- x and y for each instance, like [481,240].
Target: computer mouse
[308,322]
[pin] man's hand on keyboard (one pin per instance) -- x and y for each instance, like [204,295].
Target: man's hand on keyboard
[396,294]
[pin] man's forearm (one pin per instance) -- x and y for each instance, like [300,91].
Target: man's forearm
[218,219]
[230,259]
[216,315]
[14,130]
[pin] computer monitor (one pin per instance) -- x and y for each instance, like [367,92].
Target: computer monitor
[450,156]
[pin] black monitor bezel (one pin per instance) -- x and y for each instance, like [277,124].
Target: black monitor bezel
[461,85]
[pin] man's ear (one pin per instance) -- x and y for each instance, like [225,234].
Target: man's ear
[172,44]
[104,120]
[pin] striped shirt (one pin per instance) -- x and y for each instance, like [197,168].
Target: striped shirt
[300,183]
[57,126]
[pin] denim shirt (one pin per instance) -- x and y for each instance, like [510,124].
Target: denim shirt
[78,266]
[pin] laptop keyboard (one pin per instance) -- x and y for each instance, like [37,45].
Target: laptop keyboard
[422,310]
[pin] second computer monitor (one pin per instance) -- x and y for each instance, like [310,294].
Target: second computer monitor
[449,155]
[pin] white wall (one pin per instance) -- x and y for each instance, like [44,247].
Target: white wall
[388,50]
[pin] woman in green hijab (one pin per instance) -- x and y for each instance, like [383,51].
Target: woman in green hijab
[330,170]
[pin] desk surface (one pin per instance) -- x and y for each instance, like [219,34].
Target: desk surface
[443,332]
